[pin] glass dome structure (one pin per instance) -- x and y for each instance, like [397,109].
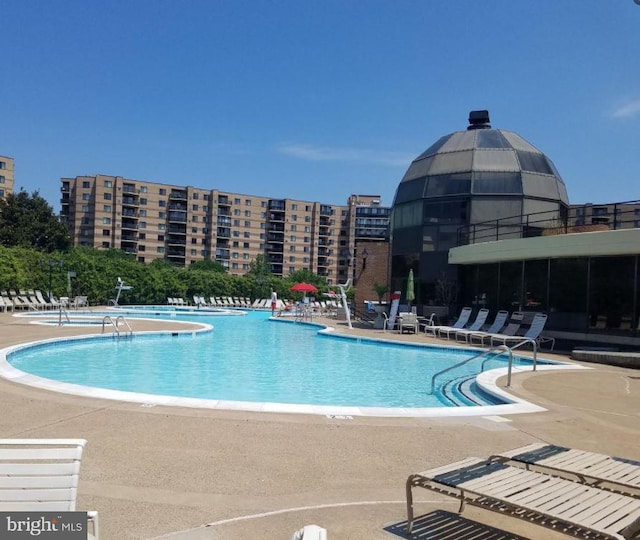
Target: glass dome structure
[465,180]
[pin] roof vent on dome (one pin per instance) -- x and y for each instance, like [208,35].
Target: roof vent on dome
[479,120]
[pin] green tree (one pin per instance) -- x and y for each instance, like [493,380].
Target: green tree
[208,266]
[29,221]
[380,289]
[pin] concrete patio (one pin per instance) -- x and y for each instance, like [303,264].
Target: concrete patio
[177,473]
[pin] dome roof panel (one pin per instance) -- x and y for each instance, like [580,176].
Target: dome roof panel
[460,140]
[495,160]
[540,185]
[418,168]
[491,138]
[518,142]
[435,147]
[452,162]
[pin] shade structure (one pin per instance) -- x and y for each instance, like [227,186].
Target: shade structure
[411,294]
[303,287]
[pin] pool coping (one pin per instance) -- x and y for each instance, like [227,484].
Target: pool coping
[487,381]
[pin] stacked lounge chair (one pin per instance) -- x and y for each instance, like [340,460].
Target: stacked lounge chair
[462,321]
[539,497]
[510,330]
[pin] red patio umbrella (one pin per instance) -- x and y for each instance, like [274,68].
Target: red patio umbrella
[304,287]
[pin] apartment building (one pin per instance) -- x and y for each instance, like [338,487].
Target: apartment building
[6,176]
[188,224]
[620,215]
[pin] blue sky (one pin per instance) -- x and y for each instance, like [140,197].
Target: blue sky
[314,100]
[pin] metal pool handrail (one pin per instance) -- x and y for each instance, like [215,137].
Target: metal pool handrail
[114,324]
[503,348]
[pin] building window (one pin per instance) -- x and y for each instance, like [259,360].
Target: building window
[163,191]
[263,225]
[162,226]
[3,164]
[236,212]
[106,245]
[194,219]
[162,204]
[307,219]
[247,224]
[245,256]
[85,185]
[294,206]
[307,229]
[160,249]
[106,221]
[162,215]
[234,266]
[142,247]
[236,201]
[293,238]
[292,269]
[143,213]
[307,208]
[294,228]
[305,249]
[85,207]
[194,229]
[247,213]
[245,245]
[246,267]
[161,238]
[206,197]
[1,179]
[196,196]
[236,223]
[263,204]
[86,221]
[234,255]
[236,234]
[205,208]
[108,183]
[142,225]
[194,252]
[247,202]
[143,201]
[292,258]
[107,196]
[86,196]
[143,189]
[292,249]
[107,208]
[294,217]
[247,234]
[194,207]
[106,232]
[142,236]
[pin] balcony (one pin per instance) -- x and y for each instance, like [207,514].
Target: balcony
[128,249]
[275,227]
[224,212]
[325,210]
[276,216]
[177,229]
[129,224]
[176,240]
[129,188]
[127,212]
[178,194]
[324,231]
[178,217]
[181,207]
[276,205]
[275,258]
[278,238]
[223,200]
[224,221]
[130,201]
[223,253]
[129,237]
[224,232]
[175,252]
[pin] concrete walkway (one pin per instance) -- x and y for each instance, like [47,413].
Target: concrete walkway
[167,472]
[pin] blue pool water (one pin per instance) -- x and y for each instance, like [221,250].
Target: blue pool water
[253,359]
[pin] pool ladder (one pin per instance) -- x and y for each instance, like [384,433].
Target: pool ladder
[115,325]
[488,352]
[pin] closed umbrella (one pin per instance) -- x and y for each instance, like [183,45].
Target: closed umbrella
[411,294]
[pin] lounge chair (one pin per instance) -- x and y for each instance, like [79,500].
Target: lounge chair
[462,321]
[481,319]
[310,532]
[41,475]
[587,467]
[536,497]
[408,321]
[495,328]
[510,330]
[6,304]
[533,333]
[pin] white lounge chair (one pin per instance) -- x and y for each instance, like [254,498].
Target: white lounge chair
[510,330]
[462,321]
[310,532]
[589,467]
[477,324]
[495,328]
[41,475]
[533,333]
[536,497]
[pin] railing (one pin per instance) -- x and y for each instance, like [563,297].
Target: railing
[115,324]
[492,350]
[63,311]
[582,218]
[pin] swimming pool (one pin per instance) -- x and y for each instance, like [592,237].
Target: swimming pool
[259,364]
